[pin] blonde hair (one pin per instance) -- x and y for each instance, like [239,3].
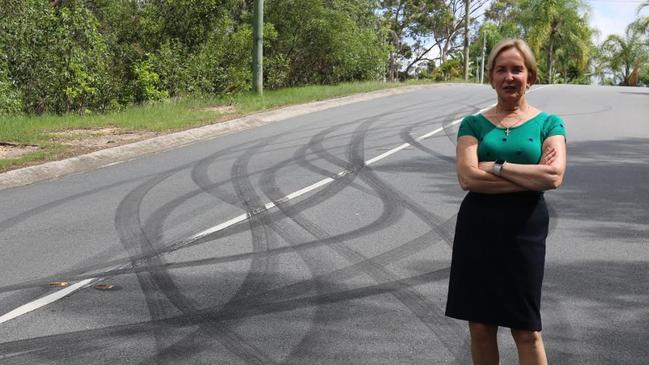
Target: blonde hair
[525,51]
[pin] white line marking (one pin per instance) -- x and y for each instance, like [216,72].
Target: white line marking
[14,354]
[45,300]
[238,219]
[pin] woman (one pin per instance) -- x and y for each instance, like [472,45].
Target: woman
[506,157]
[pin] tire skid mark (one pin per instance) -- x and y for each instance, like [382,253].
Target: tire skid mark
[158,286]
[127,224]
[152,251]
[68,275]
[406,136]
[264,216]
[433,317]
[299,288]
[272,191]
[412,300]
[312,261]
[419,305]
[261,239]
[78,274]
[249,190]
[380,187]
[54,345]
[23,216]
[340,183]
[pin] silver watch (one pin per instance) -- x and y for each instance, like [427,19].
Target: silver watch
[498,167]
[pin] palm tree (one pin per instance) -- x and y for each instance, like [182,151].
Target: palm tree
[624,56]
[644,21]
[550,25]
[644,4]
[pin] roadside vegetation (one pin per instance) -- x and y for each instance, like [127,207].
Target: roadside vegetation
[52,137]
[75,69]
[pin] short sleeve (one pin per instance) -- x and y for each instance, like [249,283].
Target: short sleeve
[553,126]
[468,127]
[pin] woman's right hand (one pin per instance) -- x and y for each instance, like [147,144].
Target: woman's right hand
[549,156]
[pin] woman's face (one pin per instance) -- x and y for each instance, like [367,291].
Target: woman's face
[510,76]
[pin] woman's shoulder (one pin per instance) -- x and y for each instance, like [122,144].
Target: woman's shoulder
[475,119]
[546,119]
[551,124]
[472,125]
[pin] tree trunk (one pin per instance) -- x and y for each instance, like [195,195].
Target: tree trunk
[550,60]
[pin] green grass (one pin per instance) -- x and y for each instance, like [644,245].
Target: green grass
[166,116]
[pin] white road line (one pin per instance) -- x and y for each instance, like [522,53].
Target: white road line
[238,219]
[45,300]
[19,353]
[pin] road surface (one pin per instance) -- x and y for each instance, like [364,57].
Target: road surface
[321,239]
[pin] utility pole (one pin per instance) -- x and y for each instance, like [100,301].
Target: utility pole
[484,42]
[258,48]
[467,5]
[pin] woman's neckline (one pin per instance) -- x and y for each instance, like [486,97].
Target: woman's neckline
[514,127]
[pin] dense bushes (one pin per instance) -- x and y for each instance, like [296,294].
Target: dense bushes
[60,56]
[55,57]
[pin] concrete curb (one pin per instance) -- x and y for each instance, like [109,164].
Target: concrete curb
[114,155]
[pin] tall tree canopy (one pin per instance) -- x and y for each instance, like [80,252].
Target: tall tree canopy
[623,57]
[93,55]
[62,56]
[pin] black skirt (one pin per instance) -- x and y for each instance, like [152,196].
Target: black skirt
[498,260]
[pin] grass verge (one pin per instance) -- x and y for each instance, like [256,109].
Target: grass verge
[48,132]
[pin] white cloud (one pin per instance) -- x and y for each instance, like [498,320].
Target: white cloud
[612,17]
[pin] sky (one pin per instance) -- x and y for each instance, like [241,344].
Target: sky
[612,16]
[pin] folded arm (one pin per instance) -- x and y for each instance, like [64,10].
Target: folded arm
[472,177]
[548,174]
[478,177]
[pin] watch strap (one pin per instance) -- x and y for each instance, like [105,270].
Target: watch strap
[498,167]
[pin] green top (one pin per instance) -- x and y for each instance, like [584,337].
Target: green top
[523,144]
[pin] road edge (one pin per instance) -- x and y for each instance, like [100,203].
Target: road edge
[114,155]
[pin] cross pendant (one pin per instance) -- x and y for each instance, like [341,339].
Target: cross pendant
[507,131]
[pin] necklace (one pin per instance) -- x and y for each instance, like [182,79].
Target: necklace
[507,127]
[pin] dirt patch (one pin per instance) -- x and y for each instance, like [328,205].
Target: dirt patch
[223,109]
[94,139]
[10,151]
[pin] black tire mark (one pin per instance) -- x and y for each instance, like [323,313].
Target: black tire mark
[272,191]
[259,224]
[419,305]
[331,189]
[406,136]
[158,286]
[357,162]
[312,261]
[127,223]
[77,274]
[101,257]
[58,346]
[446,329]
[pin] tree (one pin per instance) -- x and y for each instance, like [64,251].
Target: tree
[55,55]
[418,27]
[324,42]
[553,25]
[643,5]
[624,57]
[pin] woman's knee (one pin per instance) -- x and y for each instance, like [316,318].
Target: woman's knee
[527,337]
[482,332]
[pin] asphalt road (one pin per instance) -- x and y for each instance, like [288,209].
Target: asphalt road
[214,260]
